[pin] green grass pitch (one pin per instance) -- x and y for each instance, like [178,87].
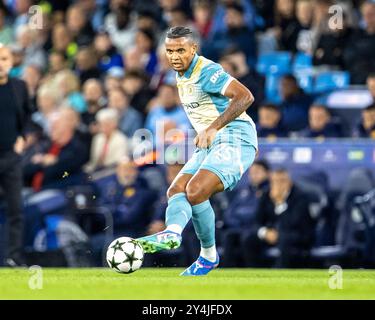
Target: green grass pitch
[163,283]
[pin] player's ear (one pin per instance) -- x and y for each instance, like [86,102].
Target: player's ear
[194,48]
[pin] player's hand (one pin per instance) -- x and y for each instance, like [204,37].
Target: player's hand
[205,138]
[271,236]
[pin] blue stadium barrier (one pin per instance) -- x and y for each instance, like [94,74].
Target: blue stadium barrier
[305,81]
[274,63]
[302,62]
[334,157]
[272,88]
[332,80]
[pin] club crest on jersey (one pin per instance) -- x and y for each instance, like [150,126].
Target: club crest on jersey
[186,90]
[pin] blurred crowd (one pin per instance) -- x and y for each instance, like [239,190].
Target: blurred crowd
[96,73]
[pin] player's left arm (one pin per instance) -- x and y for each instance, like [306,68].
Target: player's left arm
[241,99]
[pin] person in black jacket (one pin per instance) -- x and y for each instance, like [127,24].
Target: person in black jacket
[358,55]
[282,221]
[14,112]
[59,163]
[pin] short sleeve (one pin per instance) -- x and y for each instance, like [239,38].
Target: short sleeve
[214,79]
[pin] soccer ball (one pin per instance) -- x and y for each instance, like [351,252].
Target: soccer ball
[125,255]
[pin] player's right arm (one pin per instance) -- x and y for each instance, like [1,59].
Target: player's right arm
[241,99]
[218,81]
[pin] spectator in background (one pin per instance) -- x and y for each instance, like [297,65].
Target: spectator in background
[371,85]
[106,52]
[286,27]
[6,33]
[366,129]
[241,211]
[130,206]
[237,35]
[56,62]
[60,162]
[178,16]
[269,122]
[32,76]
[234,62]
[321,125]
[17,57]
[359,56]
[282,221]
[120,24]
[163,73]
[167,109]
[294,105]
[94,11]
[331,44]
[203,12]
[113,79]
[304,15]
[94,96]
[142,55]
[157,223]
[135,86]
[147,20]
[68,85]
[62,42]
[220,12]
[109,145]
[78,25]
[86,64]
[47,102]
[133,201]
[130,120]
[32,50]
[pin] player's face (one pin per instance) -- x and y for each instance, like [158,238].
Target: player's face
[180,53]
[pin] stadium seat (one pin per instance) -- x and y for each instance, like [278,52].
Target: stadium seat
[305,81]
[351,242]
[366,206]
[328,81]
[302,62]
[274,63]
[272,88]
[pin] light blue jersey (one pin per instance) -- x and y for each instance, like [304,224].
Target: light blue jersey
[201,90]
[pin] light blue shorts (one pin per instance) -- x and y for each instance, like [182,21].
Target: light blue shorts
[229,156]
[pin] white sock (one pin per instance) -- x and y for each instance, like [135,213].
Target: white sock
[209,253]
[174,228]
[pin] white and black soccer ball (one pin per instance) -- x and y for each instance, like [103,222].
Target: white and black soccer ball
[125,255]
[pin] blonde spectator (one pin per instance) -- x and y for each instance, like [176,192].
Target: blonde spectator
[110,145]
[47,102]
[69,86]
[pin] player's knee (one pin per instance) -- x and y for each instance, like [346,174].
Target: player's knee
[174,189]
[195,194]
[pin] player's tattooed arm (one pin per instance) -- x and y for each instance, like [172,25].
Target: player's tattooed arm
[241,99]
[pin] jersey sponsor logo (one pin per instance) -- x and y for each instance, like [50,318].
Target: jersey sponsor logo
[216,75]
[191,105]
